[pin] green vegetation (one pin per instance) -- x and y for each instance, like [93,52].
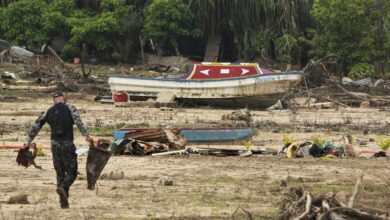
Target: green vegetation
[355,32]
[166,21]
[384,143]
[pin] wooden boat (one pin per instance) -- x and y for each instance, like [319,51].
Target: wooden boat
[201,135]
[220,85]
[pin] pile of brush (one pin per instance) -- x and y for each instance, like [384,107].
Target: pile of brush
[300,204]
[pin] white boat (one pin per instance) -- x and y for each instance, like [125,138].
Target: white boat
[257,91]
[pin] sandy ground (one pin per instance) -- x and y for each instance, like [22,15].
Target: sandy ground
[205,187]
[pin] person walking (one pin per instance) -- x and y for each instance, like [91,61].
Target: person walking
[61,117]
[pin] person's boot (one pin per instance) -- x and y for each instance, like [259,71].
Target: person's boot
[63,198]
[67,192]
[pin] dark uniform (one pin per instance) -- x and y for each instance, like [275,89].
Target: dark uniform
[61,117]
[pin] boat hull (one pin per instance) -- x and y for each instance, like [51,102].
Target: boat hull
[254,91]
[202,135]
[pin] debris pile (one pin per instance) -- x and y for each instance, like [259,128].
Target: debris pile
[148,141]
[239,115]
[310,149]
[300,204]
[325,148]
[334,94]
[18,199]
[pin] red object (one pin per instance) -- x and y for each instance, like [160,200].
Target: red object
[120,97]
[372,152]
[204,71]
[76,60]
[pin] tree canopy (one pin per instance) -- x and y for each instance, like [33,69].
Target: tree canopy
[357,32]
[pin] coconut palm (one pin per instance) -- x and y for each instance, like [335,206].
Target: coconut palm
[4,3]
[249,17]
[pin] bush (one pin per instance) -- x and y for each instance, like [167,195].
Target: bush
[287,49]
[361,70]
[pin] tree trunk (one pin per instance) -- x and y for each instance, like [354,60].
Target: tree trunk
[212,48]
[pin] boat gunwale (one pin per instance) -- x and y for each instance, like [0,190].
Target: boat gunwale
[190,129]
[208,80]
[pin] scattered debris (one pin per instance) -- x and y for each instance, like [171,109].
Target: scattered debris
[247,213]
[26,158]
[362,82]
[277,106]
[340,96]
[81,151]
[8,76]
[18,199]
[239,115]
[365,104]
[165,181]
[176,152]
[165,61]
[146,141]
[44,89]
[113,175]
[323,105]
[160,68]
[165,99]
[301,204]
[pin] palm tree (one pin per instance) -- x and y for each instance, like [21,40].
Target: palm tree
[4,3]
[253,16]
[95,4]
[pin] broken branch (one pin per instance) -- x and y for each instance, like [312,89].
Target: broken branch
[355,191]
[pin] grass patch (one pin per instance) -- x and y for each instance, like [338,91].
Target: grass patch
[332,188]
[9,68]
[102,131]
[219,180]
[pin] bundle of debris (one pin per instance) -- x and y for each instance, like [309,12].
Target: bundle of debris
[145,142]
[238,115]
[334,94]
[321,148]
[310,149]
[301,204]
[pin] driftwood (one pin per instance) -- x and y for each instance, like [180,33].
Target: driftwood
[176,61]
[351,213]
[353,94]
[30,88]
[355,191]
[300,204]
[246,212]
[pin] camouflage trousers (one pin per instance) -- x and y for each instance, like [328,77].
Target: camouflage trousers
[65,162]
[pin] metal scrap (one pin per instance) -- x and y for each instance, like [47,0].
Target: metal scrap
[148,141]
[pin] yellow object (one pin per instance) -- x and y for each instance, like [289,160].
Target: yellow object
[248,143]
[40,151]
[328,156]
[289,139]
[292,150]
[317,139]
[384,143]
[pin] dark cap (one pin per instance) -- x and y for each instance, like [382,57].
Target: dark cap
[57,94]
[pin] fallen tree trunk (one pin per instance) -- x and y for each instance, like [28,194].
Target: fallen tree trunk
[30,88]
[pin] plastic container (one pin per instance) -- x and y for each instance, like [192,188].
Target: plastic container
[76,60]
[120,97]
